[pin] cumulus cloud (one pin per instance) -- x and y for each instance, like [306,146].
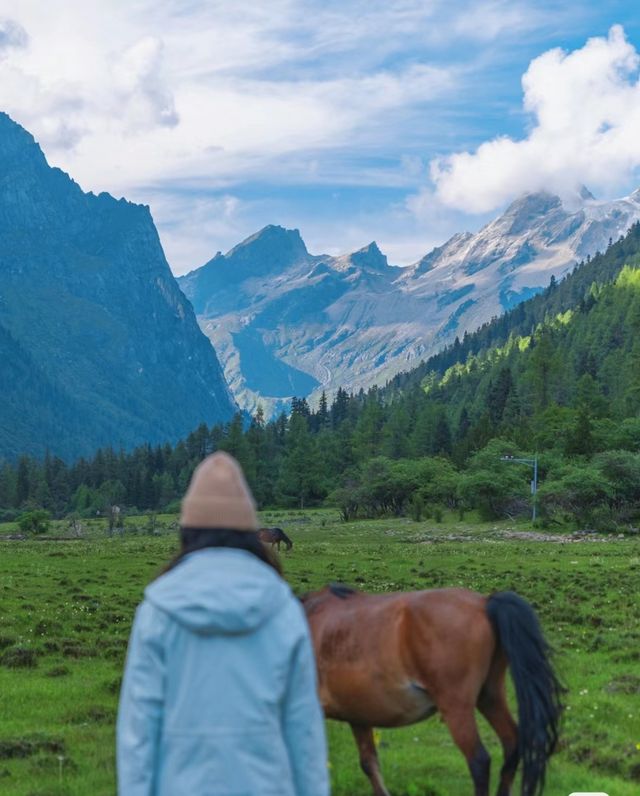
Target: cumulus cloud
[585,128]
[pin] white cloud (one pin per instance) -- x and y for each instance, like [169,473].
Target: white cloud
[585,108]
[486,21]
[192,229]
[166,102]
[11,35]
[140,84]
[248,80]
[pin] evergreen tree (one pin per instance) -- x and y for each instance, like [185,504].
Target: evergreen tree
[299,482]
[322,415]
[235,442]
[22,481]
[464,424]
[498,395]
[442,436]
[579,441]
[339,407]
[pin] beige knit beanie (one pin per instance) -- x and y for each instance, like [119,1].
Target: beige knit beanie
[219,497]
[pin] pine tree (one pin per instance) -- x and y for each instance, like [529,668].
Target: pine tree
[261,482]
[442,436]
[339,407]
[463,425]
[298,481]
[323,412]
[22,481]
[579,441]
[395,433]
[498,395]
[235,442]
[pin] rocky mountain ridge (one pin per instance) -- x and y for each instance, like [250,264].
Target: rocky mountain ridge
[285,322]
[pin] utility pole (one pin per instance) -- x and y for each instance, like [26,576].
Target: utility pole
[534,484]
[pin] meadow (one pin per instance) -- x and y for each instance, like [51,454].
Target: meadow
[66,609]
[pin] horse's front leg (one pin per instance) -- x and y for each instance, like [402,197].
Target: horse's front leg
[369,758]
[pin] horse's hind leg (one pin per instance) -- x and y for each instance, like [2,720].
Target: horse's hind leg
[461,721]
[493,706]
[369,758]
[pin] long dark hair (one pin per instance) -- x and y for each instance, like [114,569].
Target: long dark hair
[192,539]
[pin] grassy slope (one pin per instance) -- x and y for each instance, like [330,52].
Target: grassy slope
[72,602]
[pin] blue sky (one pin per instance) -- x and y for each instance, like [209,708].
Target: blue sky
[401,121]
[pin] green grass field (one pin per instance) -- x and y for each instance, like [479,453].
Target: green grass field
[66,608]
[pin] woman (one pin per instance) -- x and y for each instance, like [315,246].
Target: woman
[219,692]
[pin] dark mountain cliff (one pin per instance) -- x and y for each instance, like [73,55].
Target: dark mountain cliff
[87,299]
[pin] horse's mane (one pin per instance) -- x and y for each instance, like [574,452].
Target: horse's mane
[312,599]
[341,590]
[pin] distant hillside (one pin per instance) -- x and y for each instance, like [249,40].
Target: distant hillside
[98,345]
[568,294]
[288,323]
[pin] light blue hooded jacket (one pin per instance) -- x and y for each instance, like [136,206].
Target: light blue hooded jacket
[219,693]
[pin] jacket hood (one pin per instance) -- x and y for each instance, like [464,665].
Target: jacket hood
[219,590]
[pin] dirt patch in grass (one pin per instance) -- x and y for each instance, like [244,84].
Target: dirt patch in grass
[95,714]
[625,684]
[19,658]
[58,671]
[11,748]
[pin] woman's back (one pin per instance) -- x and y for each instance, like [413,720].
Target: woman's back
[219,696]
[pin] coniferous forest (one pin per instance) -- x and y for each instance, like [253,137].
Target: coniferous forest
[557,377]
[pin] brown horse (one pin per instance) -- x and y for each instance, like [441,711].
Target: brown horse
[390,660]
[274,536]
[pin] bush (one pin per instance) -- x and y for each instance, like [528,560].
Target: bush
[581,491]
[36,521]
[493,487]
[416,508]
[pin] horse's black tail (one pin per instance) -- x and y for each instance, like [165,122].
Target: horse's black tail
[538,689]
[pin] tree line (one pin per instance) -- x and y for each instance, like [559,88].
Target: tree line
[559,377]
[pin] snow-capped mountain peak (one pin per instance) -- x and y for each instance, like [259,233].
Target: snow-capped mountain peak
[284,321]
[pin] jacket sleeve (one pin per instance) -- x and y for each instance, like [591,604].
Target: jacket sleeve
[303,723]
[141,705]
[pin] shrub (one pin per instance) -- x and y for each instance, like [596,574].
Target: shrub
[416,508]
[36,521]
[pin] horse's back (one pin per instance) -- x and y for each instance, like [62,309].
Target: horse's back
[423,625]
[387,657]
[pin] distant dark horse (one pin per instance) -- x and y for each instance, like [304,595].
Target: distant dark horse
[274,536]
[388,660]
